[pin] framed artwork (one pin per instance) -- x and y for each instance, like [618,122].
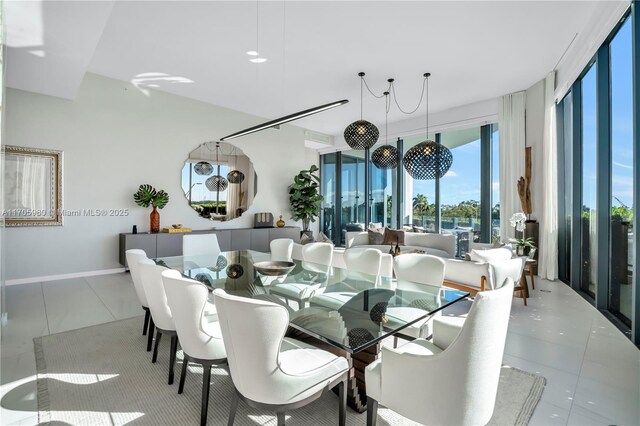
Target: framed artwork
[32,186]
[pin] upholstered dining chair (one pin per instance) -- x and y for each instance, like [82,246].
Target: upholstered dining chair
[361,264]
[151,276]
[464,362]
[200,244]
[413,272]
[201,341]
[281,248]
[316,259]
[270,371]
[133,257]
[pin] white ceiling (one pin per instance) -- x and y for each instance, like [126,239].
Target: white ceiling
[475,51]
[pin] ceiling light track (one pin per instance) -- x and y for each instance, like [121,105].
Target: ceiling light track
[285,119]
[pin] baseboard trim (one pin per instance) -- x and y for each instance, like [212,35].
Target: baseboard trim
[45,278]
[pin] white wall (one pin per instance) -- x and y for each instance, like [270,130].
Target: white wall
[114,138]
[534,122]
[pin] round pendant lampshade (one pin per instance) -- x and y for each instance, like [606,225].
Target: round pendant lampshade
[235,271]
[427,160]
[203,168]
[361,134]
[385,157]
[235,176]
[216,183]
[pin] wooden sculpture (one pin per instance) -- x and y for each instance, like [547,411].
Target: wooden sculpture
[524,183]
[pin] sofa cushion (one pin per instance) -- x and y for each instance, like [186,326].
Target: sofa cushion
[490,255]
[393,236]
[376,236]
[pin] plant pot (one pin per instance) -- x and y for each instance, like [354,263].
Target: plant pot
[154,220]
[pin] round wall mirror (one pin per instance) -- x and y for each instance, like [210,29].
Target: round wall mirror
[219,181]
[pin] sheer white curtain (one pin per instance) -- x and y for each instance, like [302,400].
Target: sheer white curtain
[548,257]
[511,120]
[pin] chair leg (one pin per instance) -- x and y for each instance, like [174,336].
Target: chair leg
[342,392]
[206,377]
[280,419]
[183,376]
[372,411]
[524,292]
[172,357]
[147,315]
[234,408]
[150,338]
[395,342]
[533,283]
[155,347]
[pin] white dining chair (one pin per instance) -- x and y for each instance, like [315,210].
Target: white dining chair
[151,276]
[200,244]
[361,265]
[281,248]
[462,366]
[133,257]
[201,340]
[417,274]
[270,371]
[316,259]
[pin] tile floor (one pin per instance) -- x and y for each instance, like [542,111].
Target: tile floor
[592,370]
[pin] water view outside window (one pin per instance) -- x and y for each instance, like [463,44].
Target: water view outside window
[353,193]
[382,196]
[328,190]
[589,246]
[622,208]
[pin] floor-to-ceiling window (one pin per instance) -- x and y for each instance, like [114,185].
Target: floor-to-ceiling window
[353,193]
[460,187]
[495,184]
[589,246]
[420,206]
[383,194]
[328,188]
[621,245]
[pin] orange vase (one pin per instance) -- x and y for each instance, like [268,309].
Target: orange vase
[154,219]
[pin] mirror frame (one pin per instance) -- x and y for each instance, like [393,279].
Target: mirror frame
[53,178]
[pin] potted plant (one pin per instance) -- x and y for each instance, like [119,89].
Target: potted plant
[523,246]
[148,196]
[305,198]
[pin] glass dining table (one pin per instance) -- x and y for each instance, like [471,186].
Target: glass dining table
[346,312]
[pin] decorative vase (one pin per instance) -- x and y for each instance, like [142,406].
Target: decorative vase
[280,223]
[154,220]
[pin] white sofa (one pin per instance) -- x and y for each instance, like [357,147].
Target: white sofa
[440,245]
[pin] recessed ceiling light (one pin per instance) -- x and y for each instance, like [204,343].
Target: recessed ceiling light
[258,60]
[252,53]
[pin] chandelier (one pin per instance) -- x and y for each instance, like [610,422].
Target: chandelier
[361,134]
[386,156]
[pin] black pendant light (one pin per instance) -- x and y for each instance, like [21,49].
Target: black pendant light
[361,134]
[217,183]
[386,156]
[235,271]
[428,159]
[235,176]
[203,168]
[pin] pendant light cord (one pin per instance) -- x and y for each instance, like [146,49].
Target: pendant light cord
[395,98]
[426,87]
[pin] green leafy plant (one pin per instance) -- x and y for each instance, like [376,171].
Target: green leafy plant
[524,242]
[304,196]
[148,196]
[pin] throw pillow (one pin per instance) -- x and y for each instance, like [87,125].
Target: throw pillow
[393,236]
[376,236]
[322,238]
[306,239]
[490,255]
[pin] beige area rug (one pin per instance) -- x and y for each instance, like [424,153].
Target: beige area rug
[102,375]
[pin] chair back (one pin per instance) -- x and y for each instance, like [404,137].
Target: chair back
[187,299]
[468,369]
[151,277]
[133,257]
[281,248]
[366,261]
[199,244]
[416,268]
[252,331]
[320,253]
